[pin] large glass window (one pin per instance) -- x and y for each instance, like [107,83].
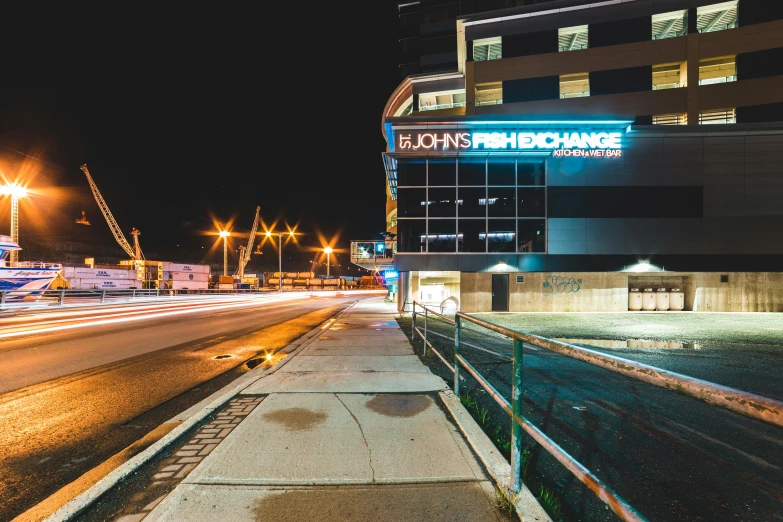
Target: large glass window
[410,235]
[669,25]
[441,100]
[472,171]
[442,172]
[670,119]
[530,173]
[531,202]
[666,76]
[487,49]
[532,236]
[718,116]
[501,234]
[716,17]
[501,172]
[574,85]
[442,202]
[472,235]
[722,69]
[572,38]
[411,202]
[472,201]
[489,94]
[500,202]
[442,235]
[411,172]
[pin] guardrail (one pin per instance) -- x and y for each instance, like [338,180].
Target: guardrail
[748,404]
[9,298]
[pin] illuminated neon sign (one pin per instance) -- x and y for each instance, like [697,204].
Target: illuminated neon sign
[391,274]
[584,144]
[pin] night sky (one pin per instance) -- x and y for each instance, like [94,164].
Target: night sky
[182,124]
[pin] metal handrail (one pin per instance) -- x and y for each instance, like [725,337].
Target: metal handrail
[738,401]
[749,404]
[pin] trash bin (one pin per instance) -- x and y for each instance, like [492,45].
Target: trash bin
[662,299]
[676,299]
[634,299]
[648,299]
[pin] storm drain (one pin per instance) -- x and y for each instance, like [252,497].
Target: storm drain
[173,470]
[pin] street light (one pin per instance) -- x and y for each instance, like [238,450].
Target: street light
[224,234]
[280,235]
[16,192]
[328,252]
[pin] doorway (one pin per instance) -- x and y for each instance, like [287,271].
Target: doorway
[500,292]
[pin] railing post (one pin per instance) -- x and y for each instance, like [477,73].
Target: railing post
[426,315]
[133,295]
[62,296]
[103,297]
[157,292]
[413,330]
[2,299]
[516,429]
[456,353]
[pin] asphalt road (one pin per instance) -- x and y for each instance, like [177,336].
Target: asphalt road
[672,457]
[80,385]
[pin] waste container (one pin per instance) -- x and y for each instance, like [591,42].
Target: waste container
[648,299]
[634,299]
[662,299]
[676,299]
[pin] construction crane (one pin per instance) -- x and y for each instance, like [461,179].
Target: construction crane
[245,252]
[135,251]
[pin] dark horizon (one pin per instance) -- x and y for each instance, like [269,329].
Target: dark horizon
[176,155]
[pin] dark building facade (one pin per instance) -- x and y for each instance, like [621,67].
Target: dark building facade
[600,148]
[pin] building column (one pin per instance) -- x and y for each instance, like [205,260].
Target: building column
[692,77]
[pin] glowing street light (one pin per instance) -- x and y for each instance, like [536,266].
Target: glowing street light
[225,234]
[16,192]
[328,252]
[269,234]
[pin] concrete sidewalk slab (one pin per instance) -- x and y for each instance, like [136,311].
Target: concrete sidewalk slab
[347,382]
[355,363]
[462,502]
[324,438]
[377,333]
[340,348]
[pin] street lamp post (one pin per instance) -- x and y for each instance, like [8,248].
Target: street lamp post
[279,235]
[224,234]
[328,251]
[16,192]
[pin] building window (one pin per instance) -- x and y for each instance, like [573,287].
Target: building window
[531,234]
[718,116]
[442,235]
[487,49]
[501,235]
[574,85]
[405,109]
[716,17]
[472,235]
[411,234]
[718,70]
[669,25]
[441,100]
[489,94]
[667,76]
[572,38]
[670,119]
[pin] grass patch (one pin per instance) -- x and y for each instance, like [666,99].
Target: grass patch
[550,501]
[504,504]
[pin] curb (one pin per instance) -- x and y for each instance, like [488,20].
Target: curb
[201,410]
[525,504]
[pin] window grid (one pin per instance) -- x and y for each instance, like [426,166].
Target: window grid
[486,217]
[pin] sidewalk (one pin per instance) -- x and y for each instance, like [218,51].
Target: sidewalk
[349,429]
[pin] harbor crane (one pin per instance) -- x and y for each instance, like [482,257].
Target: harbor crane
[246,251]
[133,251]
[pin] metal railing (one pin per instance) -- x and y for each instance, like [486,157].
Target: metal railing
[745,403]
[12,298]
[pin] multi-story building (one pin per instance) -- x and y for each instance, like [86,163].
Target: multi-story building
[581,150]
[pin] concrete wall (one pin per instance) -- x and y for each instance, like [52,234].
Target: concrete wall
[549,292]
[745,292]
[608,291]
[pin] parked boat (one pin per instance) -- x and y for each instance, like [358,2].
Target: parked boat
[24,276]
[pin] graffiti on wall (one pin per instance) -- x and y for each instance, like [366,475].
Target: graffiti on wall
[560,285]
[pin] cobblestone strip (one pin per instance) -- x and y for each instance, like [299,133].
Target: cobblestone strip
[174,469]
